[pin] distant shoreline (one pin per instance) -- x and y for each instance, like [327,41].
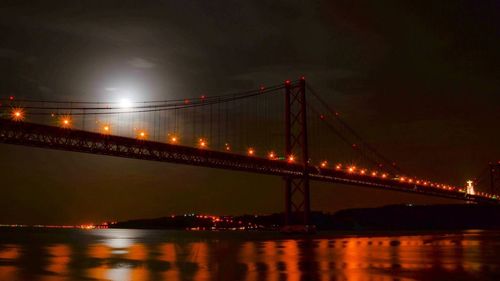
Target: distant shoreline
[381,220]
[387,218]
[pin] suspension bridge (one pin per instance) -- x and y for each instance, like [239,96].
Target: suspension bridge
[286,130]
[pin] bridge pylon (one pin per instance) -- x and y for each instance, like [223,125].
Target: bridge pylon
[297,200]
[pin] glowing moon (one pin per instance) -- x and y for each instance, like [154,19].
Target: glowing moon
[125,103]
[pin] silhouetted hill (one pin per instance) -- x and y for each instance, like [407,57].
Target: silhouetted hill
[410,217]
[387,218]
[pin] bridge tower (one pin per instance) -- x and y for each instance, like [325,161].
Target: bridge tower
[297,201]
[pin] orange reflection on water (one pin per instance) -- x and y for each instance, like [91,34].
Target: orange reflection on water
[247,253]
[168,254]
[324,256]
[97,273]
[99,251]
[198,254]
[125,255]
[139,273]
[411,255]
[368,258]
[351,260]
[290,259]
[137,252]
[60,255]
[271,257]
[119,273]
[277,260]
[9,252]
[8,272]
[128,266]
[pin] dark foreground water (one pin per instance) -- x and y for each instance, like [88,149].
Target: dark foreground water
[51,254]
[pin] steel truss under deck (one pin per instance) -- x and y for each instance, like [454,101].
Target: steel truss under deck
[50,137]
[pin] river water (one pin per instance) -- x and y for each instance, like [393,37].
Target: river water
[122,254]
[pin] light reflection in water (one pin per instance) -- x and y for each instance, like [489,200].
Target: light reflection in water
[168,255]
[8,254]
[60,256]
[198,256]
[173,255]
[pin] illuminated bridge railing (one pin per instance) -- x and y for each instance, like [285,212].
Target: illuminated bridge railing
[44,136]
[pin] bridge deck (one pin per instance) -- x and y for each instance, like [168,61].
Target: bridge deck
[43,136]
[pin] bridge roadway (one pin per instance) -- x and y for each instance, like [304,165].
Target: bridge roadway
[50,137]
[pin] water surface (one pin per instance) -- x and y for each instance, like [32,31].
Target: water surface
[119,254]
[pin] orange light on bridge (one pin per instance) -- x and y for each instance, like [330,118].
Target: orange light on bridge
[384,176]
[202,143]
[374,174]
[251,151]
[142,135]
[65,121]
[271,155]
[172,138]
[17,114]
[362,172]
[291,158]
[106,129]
[227,147]
[351,169]
[324,164]
[338,166]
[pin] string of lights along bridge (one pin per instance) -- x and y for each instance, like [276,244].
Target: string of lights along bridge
[287,130]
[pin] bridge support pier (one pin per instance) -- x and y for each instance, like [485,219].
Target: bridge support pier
[297,200]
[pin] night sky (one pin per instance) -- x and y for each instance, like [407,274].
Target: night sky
[419,79]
